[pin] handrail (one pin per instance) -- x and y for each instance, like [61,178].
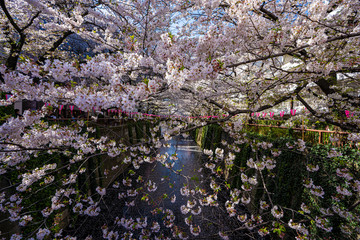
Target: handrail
[340,142]
[300,129]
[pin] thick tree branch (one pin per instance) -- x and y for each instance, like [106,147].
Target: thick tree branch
[10,18]
[345,126]
[55,46]
[15,48]
[324,86]
[352,207]
[268,14]
[2,78]
[313,112]
[357,34]
[22,148]
[240,111]
[30,22]
[277,102]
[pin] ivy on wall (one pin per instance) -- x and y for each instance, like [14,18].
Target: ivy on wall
[285,182]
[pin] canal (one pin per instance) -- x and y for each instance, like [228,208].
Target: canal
[133,209]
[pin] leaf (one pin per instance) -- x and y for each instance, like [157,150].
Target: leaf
[195,178]
[145,197]
[171,36]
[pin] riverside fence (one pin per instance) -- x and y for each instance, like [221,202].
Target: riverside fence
[312,135]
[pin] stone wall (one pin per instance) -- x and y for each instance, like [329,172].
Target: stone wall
[129,132]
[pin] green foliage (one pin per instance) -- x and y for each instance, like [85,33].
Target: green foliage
[285,181]
[6,111]
[139,129]
[131,137]
[38,197]
[211,137]
[289,175]
[327,178]
[204,137]
[287,185]
[279,229]
[270,122]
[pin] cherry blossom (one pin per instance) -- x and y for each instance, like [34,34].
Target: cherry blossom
[200,63]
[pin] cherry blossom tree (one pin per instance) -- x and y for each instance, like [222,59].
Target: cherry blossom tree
[203,57]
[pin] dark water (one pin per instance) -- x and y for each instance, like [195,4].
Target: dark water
[187,170]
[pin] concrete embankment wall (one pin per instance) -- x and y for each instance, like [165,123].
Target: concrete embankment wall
[98,170]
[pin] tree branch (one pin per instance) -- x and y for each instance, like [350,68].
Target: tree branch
[351,127]
[15,49]
[55,46]
[30,22]
[11,20]
[269,14]
[283,99]
[22,148]
[292,51]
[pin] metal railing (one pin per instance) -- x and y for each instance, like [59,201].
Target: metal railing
[314,135]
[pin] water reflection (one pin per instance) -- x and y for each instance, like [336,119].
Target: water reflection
[187,171]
